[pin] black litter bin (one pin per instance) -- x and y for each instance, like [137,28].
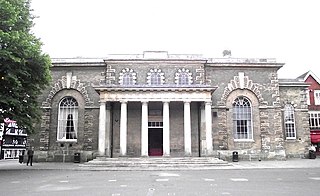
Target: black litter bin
[235,156]
[20,158]
[312,154]
[77,157]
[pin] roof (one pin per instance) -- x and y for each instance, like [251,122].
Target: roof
[304,76]
[292,82]
[164,55]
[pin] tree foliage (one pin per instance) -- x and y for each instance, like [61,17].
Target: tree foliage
[24,68]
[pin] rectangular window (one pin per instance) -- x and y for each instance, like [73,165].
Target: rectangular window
[314,120]
[317,97]
[155,124]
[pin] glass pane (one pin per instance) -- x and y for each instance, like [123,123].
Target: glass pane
[242,116]
[68,119]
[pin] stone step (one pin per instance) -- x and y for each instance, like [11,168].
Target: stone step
[155,163]
[159,159]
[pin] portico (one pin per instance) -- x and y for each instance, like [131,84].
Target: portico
[146,97]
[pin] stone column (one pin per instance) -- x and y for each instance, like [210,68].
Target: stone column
[102,129]
[187,129]
[166,129]
[108,130]
[208,115]
[123,129]
[144,129]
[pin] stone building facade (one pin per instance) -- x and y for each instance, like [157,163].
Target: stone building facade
[159,104]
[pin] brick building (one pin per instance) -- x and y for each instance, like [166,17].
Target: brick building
[160,104]
[313,101]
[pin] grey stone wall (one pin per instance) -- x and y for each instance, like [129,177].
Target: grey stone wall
[45,140]
[142,68]
[296,96]
[261,86]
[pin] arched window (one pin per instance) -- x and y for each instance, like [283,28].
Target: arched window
[183,77]
[289,122]
[242,119]
[127,77]
[67,119]
[155,77]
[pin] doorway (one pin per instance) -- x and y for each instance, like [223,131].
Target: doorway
[155,141]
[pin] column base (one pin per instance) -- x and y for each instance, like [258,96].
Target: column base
[187,154]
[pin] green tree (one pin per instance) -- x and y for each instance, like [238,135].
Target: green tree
[24,68]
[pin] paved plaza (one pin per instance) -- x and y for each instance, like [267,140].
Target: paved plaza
[277,178]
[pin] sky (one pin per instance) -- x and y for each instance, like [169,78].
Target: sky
[288,30]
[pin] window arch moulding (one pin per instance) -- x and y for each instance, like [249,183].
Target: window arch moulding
[241,82]
[67,82]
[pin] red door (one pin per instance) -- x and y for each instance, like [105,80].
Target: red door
[155,141]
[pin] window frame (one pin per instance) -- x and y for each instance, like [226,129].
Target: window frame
[127,77]
[308,97]
[289,122]
[155,77]
[183,77]
[242,119]
[316,97]
[314,116]
[68,111]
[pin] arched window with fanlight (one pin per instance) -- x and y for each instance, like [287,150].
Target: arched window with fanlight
[155,77]
[242,119]
[67,119]
[183,77]
[127,77]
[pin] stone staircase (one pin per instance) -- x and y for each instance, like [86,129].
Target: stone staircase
[156,163]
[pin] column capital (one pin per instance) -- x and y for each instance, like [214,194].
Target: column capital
[208,102]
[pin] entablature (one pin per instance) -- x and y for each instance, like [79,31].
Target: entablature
[156,94]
